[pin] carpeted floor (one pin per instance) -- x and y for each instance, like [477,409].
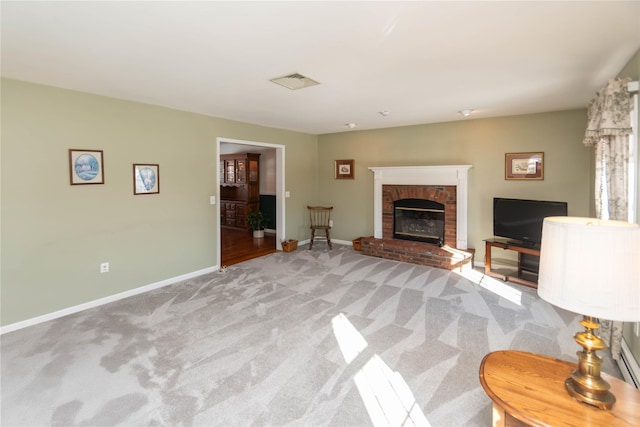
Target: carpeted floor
[306,338]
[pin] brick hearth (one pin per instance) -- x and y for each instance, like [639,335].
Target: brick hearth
[418,253]
[447,257]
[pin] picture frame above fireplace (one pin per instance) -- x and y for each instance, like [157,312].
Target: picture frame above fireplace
[344,169]
[524,166]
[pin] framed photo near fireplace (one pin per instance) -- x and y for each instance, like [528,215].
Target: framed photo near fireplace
[524,166]
[344,169]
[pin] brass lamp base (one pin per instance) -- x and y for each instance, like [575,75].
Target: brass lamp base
[604,401]
[585,384]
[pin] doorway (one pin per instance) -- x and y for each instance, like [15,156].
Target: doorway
[241,246]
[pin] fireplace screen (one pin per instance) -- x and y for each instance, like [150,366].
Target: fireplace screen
[419,220]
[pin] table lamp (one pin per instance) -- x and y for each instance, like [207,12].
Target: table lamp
[591,267]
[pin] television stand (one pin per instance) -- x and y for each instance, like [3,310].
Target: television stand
[528,258]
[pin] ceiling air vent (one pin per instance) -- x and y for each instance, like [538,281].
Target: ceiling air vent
[295,81]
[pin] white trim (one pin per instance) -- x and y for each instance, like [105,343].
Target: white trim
[633,86]
[633,163]
[101,301]
[629,366]
[457,175]
[337,242]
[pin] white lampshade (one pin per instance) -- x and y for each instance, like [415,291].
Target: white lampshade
[591,267]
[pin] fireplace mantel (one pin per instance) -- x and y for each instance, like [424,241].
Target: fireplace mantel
[423,175]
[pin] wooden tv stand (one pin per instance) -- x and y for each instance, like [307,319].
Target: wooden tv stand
[513,246]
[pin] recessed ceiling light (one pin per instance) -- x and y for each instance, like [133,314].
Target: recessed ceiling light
[466,113]
[295,81]
[351,125]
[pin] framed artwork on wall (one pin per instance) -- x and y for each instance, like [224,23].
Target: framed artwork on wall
[344,169]
[146,179]
[86,167]
[524,166]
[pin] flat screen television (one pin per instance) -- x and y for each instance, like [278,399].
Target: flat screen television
[521,220]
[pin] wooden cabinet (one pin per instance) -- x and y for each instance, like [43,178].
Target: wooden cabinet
[230,172]
[239,188]
[234,214]
[240,169]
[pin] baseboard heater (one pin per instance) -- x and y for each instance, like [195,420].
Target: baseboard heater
[629,366]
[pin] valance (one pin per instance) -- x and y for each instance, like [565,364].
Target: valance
[609,113]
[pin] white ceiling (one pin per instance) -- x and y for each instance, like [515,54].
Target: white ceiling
[422,61]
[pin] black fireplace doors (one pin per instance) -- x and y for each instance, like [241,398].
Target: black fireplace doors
[419,220]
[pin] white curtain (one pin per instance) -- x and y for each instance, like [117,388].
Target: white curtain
[608,130]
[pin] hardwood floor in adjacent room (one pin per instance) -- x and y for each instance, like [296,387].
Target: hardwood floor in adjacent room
[239,245]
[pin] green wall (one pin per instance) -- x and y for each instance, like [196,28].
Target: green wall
[54,235]
[481,143]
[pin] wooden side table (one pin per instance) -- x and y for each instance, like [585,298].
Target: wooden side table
[528,389]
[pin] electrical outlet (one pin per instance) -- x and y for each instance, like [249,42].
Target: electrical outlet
[287,194]
[104,267]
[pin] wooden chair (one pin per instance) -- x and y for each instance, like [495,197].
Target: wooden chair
[320,218]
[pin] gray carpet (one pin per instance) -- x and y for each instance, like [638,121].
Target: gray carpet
[306,338]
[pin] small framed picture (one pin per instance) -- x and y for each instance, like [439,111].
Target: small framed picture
[524,166]
[86,167]
[146,179]
[344,169]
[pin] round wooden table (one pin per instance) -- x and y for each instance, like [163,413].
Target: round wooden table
[528,389]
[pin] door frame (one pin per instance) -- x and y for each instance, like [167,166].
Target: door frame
[280,189]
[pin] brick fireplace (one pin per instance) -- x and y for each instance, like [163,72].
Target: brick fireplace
[446,185]
[445,195]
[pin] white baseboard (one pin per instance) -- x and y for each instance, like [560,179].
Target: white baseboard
[338,242]
[342,242]
[101,301]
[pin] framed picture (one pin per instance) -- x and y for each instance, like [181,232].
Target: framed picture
[86,167]
[344,169]
[527,166]
[146,179]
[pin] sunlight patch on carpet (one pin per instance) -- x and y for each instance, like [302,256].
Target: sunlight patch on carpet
[385,394]
[349,339]
[498,287]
